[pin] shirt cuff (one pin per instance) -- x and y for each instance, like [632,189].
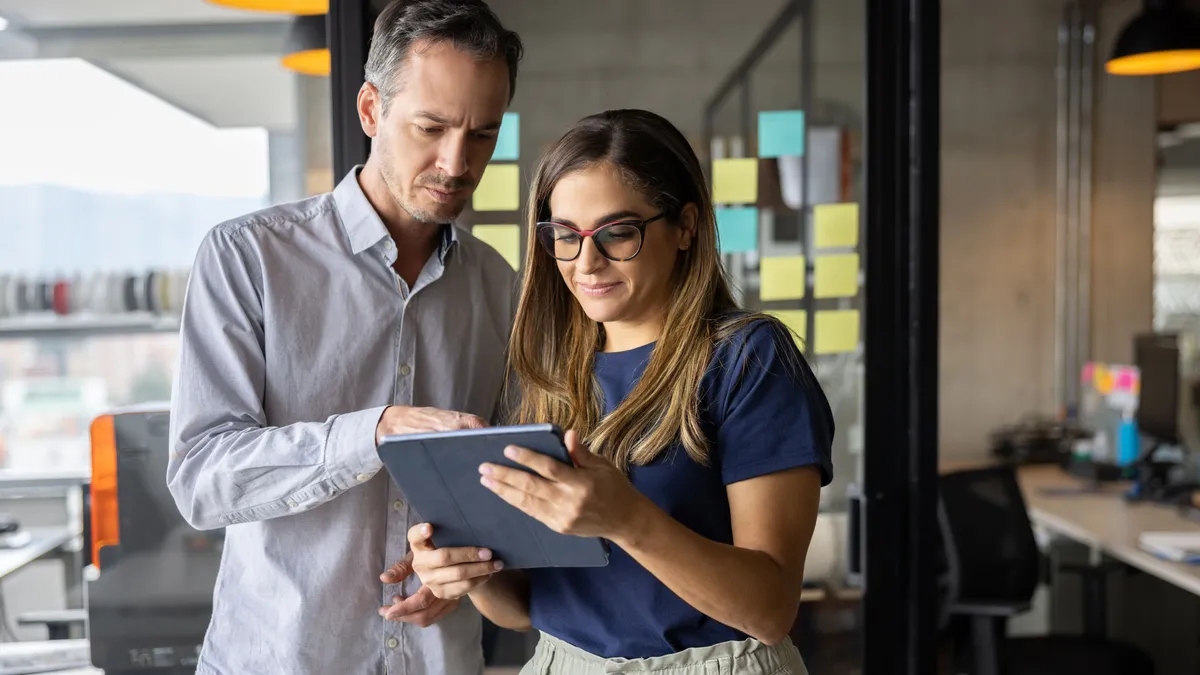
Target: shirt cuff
[351,457]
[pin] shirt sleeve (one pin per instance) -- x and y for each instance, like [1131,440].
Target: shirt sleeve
[227,465]
[776,416]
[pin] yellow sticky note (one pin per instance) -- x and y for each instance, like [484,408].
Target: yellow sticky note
[735,181]
[797,321]
[836,331]
[499,189]
[835,276]
[835,225]
[782,278]
[504,238]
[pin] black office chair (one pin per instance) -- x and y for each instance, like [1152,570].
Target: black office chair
[992,570]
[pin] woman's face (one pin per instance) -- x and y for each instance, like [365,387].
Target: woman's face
[628,293]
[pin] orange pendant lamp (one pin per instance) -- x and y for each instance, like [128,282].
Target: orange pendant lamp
[1164,38]
[302,7]
[308,46]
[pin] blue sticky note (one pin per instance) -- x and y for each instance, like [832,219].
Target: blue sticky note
[737,229]
[508,141]
[781,133]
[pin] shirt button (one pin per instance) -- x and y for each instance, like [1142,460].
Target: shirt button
[362,477]
[397,505]
[392,643]
[404,369]
[292,503]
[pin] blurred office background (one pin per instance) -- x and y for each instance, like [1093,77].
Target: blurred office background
[1068,223]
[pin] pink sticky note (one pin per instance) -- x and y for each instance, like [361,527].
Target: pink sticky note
[1124,380]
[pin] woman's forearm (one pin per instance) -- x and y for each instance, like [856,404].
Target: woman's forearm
[744,589]
[504,600]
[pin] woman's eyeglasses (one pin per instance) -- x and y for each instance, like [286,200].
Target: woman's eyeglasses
[618,241]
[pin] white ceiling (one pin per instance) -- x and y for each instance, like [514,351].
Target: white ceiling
[250,88]
[51,13]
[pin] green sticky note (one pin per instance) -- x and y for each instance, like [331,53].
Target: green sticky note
[499,189]
[782,278]
[735,181]
[836,225]
[508,142]
[781,133]
[835,276]
[836,331]
[737,229]
[506,239]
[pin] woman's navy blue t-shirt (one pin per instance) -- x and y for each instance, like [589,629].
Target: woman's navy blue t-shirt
[760,418]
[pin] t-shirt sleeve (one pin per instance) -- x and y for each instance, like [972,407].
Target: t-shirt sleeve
[775,415]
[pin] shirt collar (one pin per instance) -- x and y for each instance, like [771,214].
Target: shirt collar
[362,224]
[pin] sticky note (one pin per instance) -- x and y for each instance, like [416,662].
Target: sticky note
[781,133]
[836,331]
[506,239]
[499,189]
[508,142]
[735,181]
[835,276]
[782,278]
[737,229]
[835,225]
[797,321]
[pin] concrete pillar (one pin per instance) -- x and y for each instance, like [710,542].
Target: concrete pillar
[1125,180]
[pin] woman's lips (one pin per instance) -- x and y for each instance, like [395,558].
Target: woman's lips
[596,290]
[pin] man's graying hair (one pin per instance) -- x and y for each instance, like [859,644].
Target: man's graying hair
[470,25]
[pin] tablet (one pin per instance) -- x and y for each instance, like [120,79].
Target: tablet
[439,476]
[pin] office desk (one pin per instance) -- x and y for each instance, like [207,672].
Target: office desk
[44,542]
[1105,523]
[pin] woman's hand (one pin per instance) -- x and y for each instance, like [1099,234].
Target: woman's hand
[449,573]
[591,499]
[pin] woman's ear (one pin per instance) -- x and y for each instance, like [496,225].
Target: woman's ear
[688,220]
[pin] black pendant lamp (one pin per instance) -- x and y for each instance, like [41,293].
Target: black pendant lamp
[308,46]
[1163,38]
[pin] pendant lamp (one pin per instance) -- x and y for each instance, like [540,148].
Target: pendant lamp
[307,46]
[1163,38]
[277,6]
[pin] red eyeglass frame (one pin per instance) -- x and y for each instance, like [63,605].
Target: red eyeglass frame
[639,224]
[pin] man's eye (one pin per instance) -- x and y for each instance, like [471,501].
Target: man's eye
[429,130]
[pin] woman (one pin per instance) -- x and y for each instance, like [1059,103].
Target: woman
[709,437]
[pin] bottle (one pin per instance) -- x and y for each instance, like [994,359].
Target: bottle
[1128,442]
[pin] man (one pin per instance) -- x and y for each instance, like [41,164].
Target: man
[313,329]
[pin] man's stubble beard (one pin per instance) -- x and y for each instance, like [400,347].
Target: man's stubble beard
[415,212]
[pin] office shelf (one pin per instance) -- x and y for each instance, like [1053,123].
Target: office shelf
[85,325]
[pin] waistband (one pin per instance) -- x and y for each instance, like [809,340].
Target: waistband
[745,657]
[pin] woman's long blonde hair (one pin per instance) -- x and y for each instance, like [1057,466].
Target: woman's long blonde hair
[554,342]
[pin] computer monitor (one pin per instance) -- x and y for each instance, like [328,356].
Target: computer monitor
[1157,358]
[149,608]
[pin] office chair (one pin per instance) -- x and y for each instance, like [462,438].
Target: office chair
[992,568]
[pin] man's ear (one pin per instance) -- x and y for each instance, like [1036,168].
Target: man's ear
[689,218]
[370,109]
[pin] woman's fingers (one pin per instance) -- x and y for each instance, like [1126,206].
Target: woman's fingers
[439,577]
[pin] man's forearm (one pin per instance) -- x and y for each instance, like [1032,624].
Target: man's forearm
[257,473]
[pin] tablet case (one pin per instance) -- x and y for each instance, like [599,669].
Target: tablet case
[439,476]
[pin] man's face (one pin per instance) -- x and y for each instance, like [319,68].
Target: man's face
[440,129]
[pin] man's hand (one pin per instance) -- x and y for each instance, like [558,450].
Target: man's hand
[449,572]
[422,608]
[402,419]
